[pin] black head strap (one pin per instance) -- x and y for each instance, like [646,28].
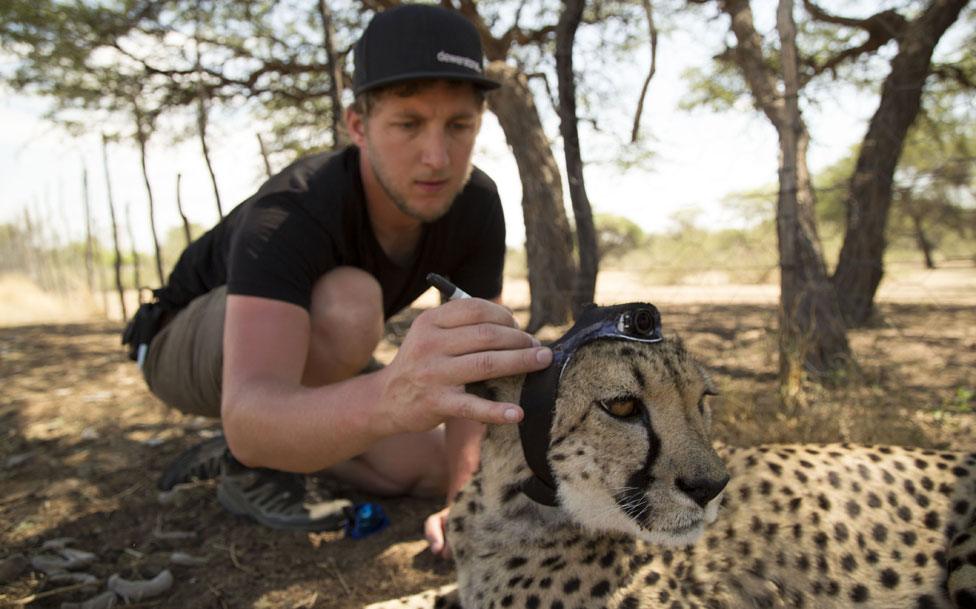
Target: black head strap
[634,321]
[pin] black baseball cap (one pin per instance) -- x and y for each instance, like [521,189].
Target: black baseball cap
[418,41]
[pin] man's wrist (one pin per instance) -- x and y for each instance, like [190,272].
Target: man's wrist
[382,417]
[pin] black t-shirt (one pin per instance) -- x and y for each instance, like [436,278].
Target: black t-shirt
[311,218]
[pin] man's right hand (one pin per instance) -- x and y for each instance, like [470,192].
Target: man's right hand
[460,342]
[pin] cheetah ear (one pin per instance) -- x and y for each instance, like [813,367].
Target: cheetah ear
[506,389]
[677,341]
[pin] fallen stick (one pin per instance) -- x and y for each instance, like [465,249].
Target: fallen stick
[334,568]
[54,592]
[233,558]
[105,600]
[159,533]
[137,590]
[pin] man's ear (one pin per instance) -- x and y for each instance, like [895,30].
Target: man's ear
[356,126]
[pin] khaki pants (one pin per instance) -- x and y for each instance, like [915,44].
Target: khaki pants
[185,361]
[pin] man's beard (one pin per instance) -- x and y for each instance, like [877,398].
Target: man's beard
[401,202]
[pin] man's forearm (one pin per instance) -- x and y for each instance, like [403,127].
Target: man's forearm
[302,429]
[463,447]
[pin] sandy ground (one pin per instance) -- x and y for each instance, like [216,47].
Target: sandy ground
[83,442]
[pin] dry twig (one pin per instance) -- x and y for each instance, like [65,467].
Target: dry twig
[233,558]
[54,592]
[334,569]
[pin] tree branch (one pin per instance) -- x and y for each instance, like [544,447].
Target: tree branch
[952,72]
[652,31]
[545,81]
[881,28]
[747,54]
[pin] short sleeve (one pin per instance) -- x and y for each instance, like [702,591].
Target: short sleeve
[279,251]
[481,271]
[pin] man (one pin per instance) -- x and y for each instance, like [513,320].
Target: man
[268,319]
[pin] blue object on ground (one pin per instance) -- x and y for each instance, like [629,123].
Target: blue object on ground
[368,518]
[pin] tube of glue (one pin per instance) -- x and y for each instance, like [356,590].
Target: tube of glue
[448,289]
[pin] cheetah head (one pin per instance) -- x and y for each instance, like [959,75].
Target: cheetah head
[630,449]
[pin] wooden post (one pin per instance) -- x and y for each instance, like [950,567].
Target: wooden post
[179,208]
[335,74]
[115,231]
[264,155]
[141,139]
[202,130]
[89,253]
[136,281]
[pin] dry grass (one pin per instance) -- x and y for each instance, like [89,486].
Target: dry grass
[22,302]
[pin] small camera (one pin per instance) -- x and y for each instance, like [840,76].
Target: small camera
[640,323]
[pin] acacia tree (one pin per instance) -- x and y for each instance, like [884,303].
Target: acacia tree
[117,263]
[585,283]
[836,45]
[933,185]
[517,52]
[144,126]
[754,60]
[812,338]
[860,265]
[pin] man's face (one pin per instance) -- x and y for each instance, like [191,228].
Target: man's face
[418,148]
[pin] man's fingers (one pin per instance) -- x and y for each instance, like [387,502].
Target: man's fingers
[474,367]
[470,311]
[434,533]
[467,406]
[487,337]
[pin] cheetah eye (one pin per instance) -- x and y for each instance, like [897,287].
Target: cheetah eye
[621,408]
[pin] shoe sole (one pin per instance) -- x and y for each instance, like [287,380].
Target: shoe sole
[213,449]
[235,503]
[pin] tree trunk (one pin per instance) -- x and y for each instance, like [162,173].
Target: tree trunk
[141,140]
[89,250]
[651,71]
[203,117]
[812,339]
[179,208]
[115,231]
[585,283]
[923,241]
[35,262]
[136,279]
[202,132]
[335,74]
[812,336]
[860,265]
[548,239]
[264,155]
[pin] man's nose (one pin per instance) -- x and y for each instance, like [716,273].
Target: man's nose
[435,150]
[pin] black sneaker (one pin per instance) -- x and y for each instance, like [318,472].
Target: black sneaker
[201,462]
[278,500]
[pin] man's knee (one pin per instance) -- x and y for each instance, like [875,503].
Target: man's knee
[347,312]
[405,464]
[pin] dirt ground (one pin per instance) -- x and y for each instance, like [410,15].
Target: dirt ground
[82,443]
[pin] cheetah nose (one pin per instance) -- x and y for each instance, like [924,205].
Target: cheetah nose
[702,490]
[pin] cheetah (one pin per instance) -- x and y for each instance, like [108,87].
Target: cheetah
[649,514]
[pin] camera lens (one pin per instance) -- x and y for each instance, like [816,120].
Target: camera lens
[643,322]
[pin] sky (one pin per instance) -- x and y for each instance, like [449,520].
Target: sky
[700,157]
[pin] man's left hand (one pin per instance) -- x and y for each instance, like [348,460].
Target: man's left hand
[435,530]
